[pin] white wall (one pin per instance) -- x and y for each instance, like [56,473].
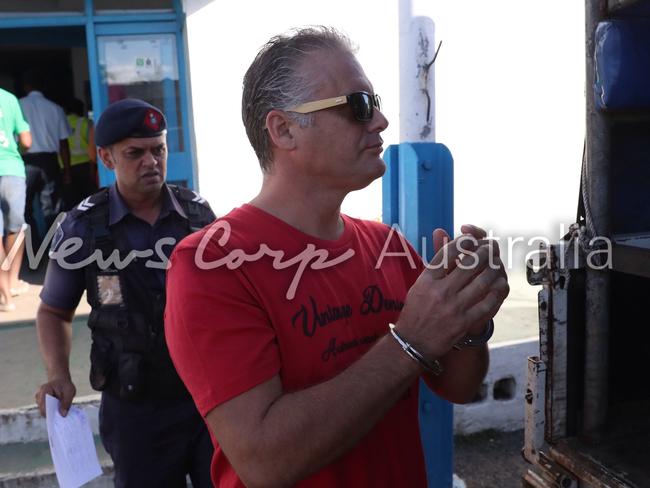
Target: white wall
[510,105]
[510,98]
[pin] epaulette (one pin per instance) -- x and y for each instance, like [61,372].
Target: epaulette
[99,198]
[84,210]
[196,207]
[188,195]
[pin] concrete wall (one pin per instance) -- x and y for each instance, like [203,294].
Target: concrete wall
[501,406]
[25,424]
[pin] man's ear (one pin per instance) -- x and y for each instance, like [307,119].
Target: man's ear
[107,157]
[281,130]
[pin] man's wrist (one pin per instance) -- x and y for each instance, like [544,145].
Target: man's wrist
[431,367]
[59,374]
[402,361]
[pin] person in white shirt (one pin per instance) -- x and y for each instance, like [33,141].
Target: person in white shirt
[50,132]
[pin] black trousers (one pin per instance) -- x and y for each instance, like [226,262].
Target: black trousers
[43,178]
[156,443]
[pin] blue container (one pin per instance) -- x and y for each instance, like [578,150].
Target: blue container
[622,64]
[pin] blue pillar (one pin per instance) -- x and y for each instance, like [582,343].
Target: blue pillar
[174,129]
[418,195]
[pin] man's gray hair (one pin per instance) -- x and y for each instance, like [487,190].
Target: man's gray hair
[273,81]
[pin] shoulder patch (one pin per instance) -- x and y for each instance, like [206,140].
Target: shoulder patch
[188,195]
[96,199]
[196,207]
[197,198]
[85,204]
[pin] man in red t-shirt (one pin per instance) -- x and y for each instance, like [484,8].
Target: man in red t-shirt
[301,332]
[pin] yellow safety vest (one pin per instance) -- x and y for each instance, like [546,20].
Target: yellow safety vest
[78,141]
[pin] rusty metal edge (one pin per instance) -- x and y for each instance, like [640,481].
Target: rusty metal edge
[586,468]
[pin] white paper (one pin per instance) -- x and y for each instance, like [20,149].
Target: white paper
[71,444]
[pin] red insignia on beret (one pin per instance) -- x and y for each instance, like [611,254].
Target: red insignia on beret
[152,120]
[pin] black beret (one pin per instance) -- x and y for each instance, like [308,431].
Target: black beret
[128,118]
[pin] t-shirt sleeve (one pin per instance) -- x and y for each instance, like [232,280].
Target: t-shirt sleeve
[219,337]
[65,279]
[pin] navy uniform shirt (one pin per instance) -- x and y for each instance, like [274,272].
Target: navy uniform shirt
[63,286]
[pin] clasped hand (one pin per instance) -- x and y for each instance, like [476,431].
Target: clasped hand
[462,288]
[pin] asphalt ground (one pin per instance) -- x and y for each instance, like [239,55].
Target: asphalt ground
[490,459]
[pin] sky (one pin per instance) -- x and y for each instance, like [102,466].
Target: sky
[509,99]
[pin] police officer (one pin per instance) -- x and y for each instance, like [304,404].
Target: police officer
[115,245]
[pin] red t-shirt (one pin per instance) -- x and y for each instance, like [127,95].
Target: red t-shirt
[296,316]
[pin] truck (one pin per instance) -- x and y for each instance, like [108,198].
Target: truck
[587,401]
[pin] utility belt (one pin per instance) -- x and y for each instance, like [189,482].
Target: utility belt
[129,358]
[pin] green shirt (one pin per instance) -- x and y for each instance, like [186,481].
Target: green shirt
[12,123]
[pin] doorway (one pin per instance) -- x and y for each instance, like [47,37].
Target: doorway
[59,53]
[60,56]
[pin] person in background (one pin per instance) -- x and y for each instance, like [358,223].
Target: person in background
[12,197]
[50,132]
[83,155]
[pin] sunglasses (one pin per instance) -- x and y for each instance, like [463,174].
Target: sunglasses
[363,105]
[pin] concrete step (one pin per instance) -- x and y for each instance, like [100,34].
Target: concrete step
[29,464]
[47,479]
[25,459]
[25,424]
